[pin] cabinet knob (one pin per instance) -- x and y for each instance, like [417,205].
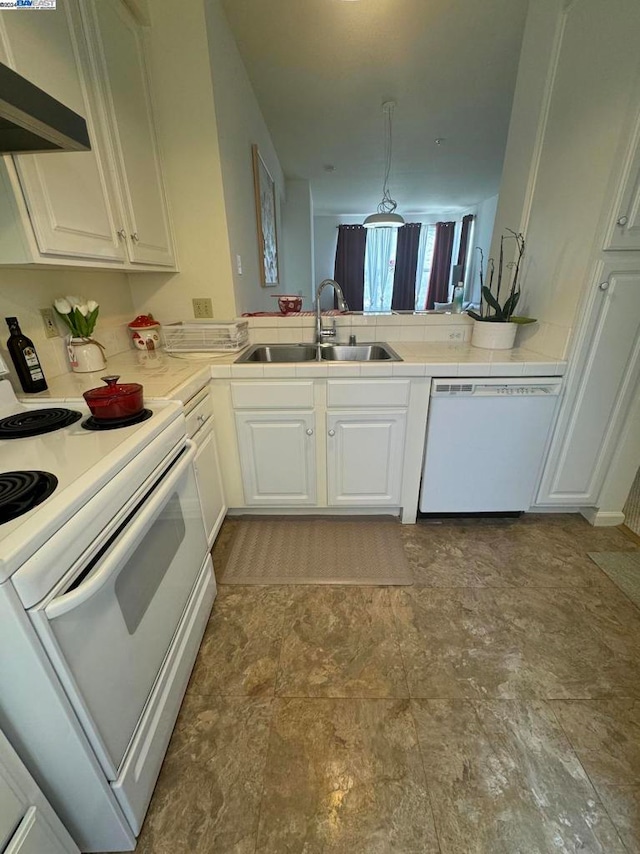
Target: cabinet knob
[604,286]
[200,419]
[135,237]
[309,432]
[332,432]
[122,233]
[623,220]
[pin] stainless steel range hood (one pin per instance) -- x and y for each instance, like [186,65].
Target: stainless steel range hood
[32,121]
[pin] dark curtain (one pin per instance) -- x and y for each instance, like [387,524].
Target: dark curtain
[441,264]
[404,279]
[464,245]
[349,267]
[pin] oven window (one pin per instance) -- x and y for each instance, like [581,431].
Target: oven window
[137,583]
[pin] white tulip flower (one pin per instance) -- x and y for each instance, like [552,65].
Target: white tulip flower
[83,309]
[63,306]
[92,305]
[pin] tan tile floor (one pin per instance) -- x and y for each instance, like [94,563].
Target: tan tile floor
[492,708]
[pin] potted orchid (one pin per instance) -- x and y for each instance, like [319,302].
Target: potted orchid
[496,323]
[80,316]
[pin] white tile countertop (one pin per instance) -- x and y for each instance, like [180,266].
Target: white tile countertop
[179,377]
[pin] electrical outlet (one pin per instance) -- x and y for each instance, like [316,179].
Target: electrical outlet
[49,323]
[202,308]
[455,336]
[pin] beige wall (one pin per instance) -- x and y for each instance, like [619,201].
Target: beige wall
[24,292]
[298,241]
[240,123]
[188,135]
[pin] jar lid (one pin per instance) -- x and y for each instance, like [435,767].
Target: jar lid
[143,321]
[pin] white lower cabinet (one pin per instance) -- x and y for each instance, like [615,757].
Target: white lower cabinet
[599,390]
[365,452]
[28,824]
[277,457]
[209,482]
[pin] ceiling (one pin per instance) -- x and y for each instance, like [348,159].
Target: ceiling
[322,68]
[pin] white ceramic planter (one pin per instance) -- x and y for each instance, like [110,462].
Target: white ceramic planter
[493,336]
[85,355]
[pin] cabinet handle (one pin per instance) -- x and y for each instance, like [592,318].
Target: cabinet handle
[309,432]
[623,220]
[332,432]
[135,237]
[200,419]
[604,286]
[122,233]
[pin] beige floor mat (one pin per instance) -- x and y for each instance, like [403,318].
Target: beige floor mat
[317,551]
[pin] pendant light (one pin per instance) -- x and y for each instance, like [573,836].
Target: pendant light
[386,217]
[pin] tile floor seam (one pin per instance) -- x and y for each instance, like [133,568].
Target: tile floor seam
[264,771]
[588,776]
[426,776]
[399,645]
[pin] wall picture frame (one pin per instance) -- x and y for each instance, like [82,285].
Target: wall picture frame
[266,218]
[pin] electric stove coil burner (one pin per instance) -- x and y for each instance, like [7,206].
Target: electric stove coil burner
[115,423]
[35,422]
[21,491]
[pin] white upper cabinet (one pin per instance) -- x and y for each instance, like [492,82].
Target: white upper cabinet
[117,51]
[101,208]
[67,195]
[624,230]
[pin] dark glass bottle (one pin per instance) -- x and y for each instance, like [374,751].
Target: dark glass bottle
[25,358]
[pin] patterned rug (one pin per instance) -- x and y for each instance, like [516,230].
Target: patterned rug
[623,568]
[317,551]
[632,507]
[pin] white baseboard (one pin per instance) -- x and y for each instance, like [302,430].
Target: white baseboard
[602,518]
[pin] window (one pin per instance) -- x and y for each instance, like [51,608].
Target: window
[379,268]
[425,257]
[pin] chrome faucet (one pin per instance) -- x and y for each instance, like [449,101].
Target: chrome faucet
[321,331]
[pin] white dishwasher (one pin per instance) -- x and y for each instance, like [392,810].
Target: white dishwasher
[485,442]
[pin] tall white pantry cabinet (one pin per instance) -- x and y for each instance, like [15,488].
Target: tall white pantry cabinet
[603,379]
[101,208]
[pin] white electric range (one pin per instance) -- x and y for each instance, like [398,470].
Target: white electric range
[106,586]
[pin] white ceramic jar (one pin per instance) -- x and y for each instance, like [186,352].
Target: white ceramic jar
[493,336]
[85,355]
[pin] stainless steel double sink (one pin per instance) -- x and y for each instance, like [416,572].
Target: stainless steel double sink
[319,353]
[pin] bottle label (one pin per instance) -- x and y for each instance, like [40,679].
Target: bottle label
[33,363]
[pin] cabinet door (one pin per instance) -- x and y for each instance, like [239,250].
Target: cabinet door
[35,836]
[209,482]
[117,44]
[68,195]
[365,452]
[624,231]
[277,457]
[598,395]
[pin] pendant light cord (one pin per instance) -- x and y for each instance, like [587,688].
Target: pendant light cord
[388,204]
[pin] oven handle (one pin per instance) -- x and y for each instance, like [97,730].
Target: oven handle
[113,563]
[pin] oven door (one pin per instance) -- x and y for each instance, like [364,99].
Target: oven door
[108,630]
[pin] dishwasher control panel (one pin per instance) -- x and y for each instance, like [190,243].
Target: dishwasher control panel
[534,387]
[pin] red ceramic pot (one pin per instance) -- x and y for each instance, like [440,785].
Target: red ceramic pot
[115,400]
[288,303]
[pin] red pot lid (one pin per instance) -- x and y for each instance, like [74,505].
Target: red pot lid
[143,321]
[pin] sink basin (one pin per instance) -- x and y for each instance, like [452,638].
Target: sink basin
[280,353]
[359,353]
[326,353]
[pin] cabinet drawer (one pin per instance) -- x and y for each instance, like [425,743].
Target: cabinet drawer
[349,393]
[272,395]
[199,414]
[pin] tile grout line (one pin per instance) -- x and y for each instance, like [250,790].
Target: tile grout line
[426,776]
[274,699]
[586,773]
